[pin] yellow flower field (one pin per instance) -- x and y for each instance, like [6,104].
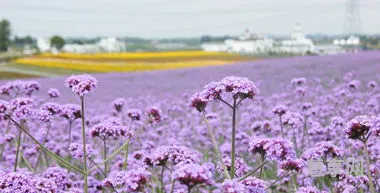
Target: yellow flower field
[114,67]
[129,62]
[135,55]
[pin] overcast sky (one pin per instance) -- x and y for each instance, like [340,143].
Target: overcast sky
[181,18]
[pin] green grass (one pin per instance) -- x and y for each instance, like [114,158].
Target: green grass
[13,75]
[52,71]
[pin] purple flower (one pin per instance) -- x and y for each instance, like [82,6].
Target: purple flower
[194,174]
[52,108]
[273,149]
[76,150]
[131,181]
[81,84]
[324,149]
[71,112]
[298,81]
[174,154]
[154,114]
[240,166]
[118,104]
[45,185]
[232,186]
[354,85]
[134,114]
[58,175]
[372,85]
[254,185]
[109,129]
[53,93]
[198,102]
[358,127]
[293,165]
[16,182]
[4,106]
[309,189]
[280,110]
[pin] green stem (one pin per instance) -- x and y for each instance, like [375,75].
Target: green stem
[172,187]
[69,143]
[55,156]
[110,157]
[26,162]
[278,179]
[282,127]
[17,150]
[85,188]
[262,168]
[162,179]
[233,145]
[368,163]
[126,156]
[40,153]
[253,171]
[105,156]
[216,147]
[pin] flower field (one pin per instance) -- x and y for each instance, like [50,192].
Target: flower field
[246,128]
[129,62]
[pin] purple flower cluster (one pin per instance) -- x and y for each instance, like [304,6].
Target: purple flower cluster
[239,88]
[19,87]
[129,181]
[53,93]
[109,129]
[240,166]
[118,104]
[154,114]
[173,154]
[358,127]
[134,114]
[194,174]
[76,150]
[272,148]
[249,185]
[324,149]
[81,84]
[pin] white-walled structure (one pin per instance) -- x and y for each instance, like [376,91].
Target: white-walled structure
[104,45]
[350,41]
[245,44]
[298,43]
[43,44]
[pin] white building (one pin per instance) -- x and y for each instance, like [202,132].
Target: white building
[43,44]
[245,44]
[350,41]
[111,45]
[298,43]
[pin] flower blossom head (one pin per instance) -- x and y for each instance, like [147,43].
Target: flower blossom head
[280,110]
[354,85]
[71,112]
[194,174]
[174,154]
[293,165]
[16,182]
[52,108]
[273,149]
[133,180]
[240,166]
[198,102]
[53,93]
[232,186]
[22,108]
[239,87]
[298,81]
[134,114]
[324,149]
[81,84]
[59,175]
[76,150]
[254,185]
[110,129]
[4,106]
[154,115]
[45,185]
[358,127]
[309,189]
[372,85]
[118,104]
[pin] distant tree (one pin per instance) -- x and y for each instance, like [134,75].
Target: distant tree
[5,33]
[57,42]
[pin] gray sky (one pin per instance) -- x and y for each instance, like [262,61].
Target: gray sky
[180,18]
